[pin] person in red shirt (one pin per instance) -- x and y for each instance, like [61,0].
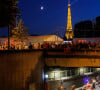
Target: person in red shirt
[73,87]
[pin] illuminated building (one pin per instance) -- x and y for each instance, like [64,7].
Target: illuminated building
[30,39]
[69,31]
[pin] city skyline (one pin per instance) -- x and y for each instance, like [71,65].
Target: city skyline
[54,13]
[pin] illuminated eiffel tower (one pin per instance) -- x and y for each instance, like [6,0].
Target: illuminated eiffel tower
[69,32]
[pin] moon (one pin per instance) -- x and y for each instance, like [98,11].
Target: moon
[42,7]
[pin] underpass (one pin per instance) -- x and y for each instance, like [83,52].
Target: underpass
[28,69]
[71,68]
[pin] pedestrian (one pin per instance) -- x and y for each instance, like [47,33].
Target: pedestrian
[88,86]
[73,87]
[93,84]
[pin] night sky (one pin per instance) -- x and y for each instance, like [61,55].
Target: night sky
[54,13]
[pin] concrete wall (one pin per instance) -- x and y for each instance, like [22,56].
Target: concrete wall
[21,70]
[73,62]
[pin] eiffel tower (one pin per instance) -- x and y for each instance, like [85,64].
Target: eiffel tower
[69,32]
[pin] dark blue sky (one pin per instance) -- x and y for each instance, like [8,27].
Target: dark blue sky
[55,13]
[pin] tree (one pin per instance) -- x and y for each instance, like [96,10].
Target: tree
[20,32]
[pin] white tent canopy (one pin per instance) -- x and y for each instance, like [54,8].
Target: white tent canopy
[45,38]
[32,39]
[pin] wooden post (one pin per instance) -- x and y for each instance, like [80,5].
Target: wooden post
[8,37]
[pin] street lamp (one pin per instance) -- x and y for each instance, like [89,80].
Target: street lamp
[62,27]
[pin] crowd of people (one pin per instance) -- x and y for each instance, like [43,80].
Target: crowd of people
[93,84]
[53,45]
[80,45]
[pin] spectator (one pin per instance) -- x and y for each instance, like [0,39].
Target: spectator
[33,46]
[38,46]
[30,46]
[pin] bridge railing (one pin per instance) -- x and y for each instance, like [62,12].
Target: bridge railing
[64,52]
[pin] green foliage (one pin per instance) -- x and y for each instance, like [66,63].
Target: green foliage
[20,32]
